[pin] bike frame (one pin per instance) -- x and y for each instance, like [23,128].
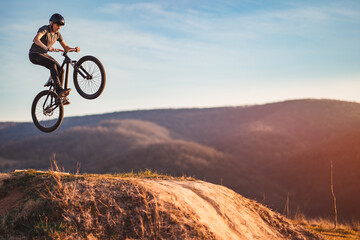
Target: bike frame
[67,61]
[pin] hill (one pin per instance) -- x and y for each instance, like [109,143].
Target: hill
[260,151]
[310,171]
[122,145]
[148,206]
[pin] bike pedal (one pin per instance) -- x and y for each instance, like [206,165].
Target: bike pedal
[65,101]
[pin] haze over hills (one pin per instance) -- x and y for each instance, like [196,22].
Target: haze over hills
[122,145]
[310,172]
[261,151]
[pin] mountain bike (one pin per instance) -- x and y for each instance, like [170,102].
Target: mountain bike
[47,109]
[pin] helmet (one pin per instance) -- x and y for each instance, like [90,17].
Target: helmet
[57,18]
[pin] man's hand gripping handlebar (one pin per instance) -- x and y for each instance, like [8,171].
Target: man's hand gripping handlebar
[76,49]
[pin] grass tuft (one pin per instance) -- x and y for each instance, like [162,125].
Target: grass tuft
[325,228]
[59,205]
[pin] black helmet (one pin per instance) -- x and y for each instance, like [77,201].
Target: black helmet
[57,18]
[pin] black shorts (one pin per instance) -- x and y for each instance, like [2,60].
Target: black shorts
[50,63]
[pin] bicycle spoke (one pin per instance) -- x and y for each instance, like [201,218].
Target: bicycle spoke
[90,77]
[90,86]
[46,112]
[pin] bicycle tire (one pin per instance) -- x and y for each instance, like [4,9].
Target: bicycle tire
[92,87]
[47,111]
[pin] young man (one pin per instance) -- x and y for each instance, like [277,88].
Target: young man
[46,36]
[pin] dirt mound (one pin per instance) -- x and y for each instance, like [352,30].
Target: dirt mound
[135,207]
[3,176]
[225,213]
[8,200]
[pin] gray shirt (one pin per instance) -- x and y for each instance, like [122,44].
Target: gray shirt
[48,39]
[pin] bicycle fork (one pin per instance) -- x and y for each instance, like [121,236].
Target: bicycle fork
[83,72]
[78,69]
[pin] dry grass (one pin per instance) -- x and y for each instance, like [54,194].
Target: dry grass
[147,174]
[93,207]
[325,227]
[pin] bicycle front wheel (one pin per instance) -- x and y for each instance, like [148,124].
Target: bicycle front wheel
[47,111]
[89,77]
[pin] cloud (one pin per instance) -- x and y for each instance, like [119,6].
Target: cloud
[137,8]
[279,42]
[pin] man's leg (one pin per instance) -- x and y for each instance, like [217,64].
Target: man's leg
[61,76]
[55,69]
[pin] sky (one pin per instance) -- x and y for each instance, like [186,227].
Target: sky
[185,54]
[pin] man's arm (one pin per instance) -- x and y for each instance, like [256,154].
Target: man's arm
[37,41]
[69,49]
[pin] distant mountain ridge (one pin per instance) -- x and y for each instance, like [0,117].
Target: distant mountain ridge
[260,151]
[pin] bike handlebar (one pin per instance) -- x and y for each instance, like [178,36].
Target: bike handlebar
[61,50]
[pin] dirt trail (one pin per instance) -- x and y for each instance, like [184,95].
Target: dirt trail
[11,199]
[225,213]
[3,176]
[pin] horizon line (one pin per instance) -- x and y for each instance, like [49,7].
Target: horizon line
[193,107]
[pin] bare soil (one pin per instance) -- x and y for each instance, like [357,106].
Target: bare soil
[225,213]
[3,176]
[164,208]
[11,199]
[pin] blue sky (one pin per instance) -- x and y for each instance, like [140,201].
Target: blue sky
[174,54]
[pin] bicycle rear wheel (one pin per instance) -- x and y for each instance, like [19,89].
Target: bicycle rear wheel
[47,111]
[89,77]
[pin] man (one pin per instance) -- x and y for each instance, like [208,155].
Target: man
[46,36]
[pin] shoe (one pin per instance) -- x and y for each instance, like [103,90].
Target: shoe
[63,92]
[48,83]
[65,101]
